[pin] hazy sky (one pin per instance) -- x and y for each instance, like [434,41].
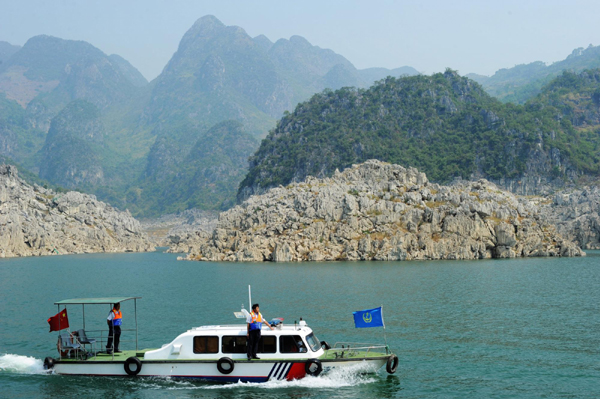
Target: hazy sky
[471,36]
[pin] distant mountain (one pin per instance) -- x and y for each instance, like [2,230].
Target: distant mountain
[304,66]
[70,156]
[445,125]
[6,51]
[20,138]
[263,42]
[128,70]
[62,71]
[219,72]
[86,120]
[310,69]
[206,177]
[371,75]
[524,81]
[481,79]
[39,79]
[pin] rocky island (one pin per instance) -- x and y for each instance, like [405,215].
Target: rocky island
[36,221]
[379,211]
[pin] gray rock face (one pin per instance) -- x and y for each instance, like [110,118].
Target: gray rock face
[575,213]
[35,221]
[172,229]
[379,211]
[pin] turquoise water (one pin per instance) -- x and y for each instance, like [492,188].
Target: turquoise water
[525,328]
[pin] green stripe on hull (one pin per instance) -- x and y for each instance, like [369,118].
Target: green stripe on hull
[333,354]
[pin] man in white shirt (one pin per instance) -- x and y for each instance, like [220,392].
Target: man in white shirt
[114,321]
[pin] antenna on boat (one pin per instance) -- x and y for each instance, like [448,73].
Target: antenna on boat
[243,314]
[249,297]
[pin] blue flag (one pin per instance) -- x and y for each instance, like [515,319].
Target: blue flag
[368,318]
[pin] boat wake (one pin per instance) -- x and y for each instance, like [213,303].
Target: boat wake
[20,364]
[337,378]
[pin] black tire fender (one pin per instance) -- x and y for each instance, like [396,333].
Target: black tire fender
[48,363]
[392,364]
[309,367]
[225,365]
[325,345]
[131,361]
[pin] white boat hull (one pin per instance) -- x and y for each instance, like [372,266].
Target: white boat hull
[245,371]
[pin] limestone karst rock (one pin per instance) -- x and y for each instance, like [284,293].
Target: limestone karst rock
[576,215]
[37,221]
[379,211]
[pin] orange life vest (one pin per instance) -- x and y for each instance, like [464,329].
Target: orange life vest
[256,321]
[118,319]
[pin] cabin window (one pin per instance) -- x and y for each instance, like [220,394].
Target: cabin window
[291,344]
[313,342]
[234,344]
[237,344]
[267,344]
[204,344]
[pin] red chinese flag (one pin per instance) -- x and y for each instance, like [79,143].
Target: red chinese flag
[59,321]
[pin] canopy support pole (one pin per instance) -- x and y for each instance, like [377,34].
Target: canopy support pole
[59,340]
[384,334]
[112,346]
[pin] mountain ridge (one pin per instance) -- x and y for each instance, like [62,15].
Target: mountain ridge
[524,81]
[444,124]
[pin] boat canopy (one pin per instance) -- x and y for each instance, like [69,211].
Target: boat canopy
[96,301]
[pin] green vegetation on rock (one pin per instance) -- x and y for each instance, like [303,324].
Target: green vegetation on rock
[443,124]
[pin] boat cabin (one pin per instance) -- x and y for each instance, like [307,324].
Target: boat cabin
[210,342]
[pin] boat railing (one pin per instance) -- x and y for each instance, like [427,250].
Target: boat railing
[354,349]
[98,340]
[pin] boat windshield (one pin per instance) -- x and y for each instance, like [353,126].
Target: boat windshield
[313,342]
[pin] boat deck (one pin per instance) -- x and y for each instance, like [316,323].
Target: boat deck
[333,354]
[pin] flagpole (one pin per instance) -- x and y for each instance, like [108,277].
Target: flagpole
[59,340]
[384,334]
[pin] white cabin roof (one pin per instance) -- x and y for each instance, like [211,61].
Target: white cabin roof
[286,329]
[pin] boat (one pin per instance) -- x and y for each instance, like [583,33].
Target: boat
[213,352]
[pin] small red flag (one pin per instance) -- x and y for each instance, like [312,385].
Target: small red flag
[59,321]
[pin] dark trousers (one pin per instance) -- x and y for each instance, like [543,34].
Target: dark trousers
[113,331]
[252,345]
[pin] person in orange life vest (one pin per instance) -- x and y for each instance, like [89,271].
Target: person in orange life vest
[114,320]
[255,321]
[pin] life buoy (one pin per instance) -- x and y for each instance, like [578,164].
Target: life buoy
[130,362]
[225,365]
[325,345]
[313,367]
[392,364]
[48,363]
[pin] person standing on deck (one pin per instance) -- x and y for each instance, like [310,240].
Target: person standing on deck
[114,320]
[255,322]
